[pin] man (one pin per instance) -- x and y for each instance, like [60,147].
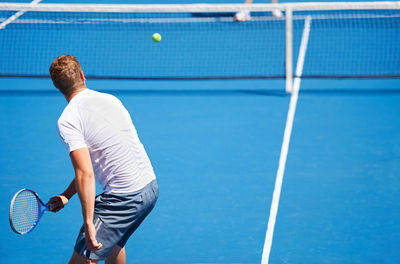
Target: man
[102,142]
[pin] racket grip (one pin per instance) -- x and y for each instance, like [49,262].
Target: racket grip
[49,207]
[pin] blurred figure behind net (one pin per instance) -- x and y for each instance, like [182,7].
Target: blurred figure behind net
[245,15]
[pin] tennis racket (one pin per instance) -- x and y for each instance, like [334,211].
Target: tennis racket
[26,209]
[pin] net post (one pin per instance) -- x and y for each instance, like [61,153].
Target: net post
[289,49]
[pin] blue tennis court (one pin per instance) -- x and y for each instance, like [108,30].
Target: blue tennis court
[216,146]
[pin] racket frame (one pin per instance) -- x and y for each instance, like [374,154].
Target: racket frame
[40,210]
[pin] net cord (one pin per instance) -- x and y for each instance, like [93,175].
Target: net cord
[193,8]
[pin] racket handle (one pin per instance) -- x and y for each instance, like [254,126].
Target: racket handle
[48,207]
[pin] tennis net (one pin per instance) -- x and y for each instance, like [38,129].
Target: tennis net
[202,41]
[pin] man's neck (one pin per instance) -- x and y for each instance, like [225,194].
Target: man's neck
[74,93]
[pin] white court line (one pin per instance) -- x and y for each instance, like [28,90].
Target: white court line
[285,143]
[16,15]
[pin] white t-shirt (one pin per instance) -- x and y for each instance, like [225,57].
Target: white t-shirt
[101,123]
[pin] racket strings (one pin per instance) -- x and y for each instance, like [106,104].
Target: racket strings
[25,212]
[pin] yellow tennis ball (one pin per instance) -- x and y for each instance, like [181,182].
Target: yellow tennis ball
[156,37]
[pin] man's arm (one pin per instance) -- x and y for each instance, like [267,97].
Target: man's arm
[86,188]
[70,191]
[58,202]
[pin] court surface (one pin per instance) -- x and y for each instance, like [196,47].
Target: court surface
[215,148]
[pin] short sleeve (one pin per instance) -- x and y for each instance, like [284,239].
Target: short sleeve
[71,134]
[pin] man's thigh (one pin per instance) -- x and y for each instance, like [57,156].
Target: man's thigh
[117,256]
[78,259]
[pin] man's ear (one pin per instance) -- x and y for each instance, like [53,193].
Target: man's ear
[82,77]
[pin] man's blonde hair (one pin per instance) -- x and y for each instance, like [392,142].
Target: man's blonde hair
[65,71]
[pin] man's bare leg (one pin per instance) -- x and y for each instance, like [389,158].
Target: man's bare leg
[78,259]
[117,256]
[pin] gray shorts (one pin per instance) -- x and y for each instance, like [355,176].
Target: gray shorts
[116,217]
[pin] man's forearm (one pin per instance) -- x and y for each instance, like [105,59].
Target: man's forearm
[70,191]
[58,202]
[86,188]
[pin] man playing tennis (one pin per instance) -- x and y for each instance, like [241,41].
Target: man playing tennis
[102,142]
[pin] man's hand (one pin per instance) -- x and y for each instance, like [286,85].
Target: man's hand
[57,203]
[90,238]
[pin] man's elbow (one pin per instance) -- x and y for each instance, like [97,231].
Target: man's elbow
[82,175]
